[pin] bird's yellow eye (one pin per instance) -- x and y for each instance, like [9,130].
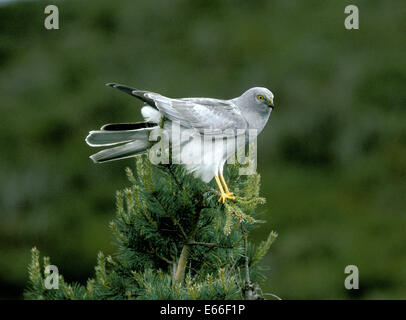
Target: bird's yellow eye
[260,97]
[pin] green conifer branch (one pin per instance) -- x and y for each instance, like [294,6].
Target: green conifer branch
[174,241]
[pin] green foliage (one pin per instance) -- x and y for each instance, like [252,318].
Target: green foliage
[263,248]
[162,212]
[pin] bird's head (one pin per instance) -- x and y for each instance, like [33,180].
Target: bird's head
[261,96]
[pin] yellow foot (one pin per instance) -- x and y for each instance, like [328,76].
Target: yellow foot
[228,195]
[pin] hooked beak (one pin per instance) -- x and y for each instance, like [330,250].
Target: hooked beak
[270,103]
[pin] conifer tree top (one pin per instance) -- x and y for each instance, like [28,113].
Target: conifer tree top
[174,241]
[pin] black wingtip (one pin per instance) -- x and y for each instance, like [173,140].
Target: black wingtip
[121,87]
[133,92]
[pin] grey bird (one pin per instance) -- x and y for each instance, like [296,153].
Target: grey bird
[199,118]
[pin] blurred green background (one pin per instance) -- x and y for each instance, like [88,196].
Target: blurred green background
[332,158]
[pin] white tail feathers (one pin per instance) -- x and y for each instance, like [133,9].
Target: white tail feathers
[128,150]
[136,141]
[101,138]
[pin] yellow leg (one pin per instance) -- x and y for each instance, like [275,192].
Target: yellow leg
[224,195]
[228,192]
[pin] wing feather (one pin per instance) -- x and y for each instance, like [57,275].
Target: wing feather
[201,113]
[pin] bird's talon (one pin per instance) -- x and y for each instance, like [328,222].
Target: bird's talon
[225,196]
[230,195]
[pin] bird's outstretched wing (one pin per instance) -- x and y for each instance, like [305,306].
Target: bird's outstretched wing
[200,113]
